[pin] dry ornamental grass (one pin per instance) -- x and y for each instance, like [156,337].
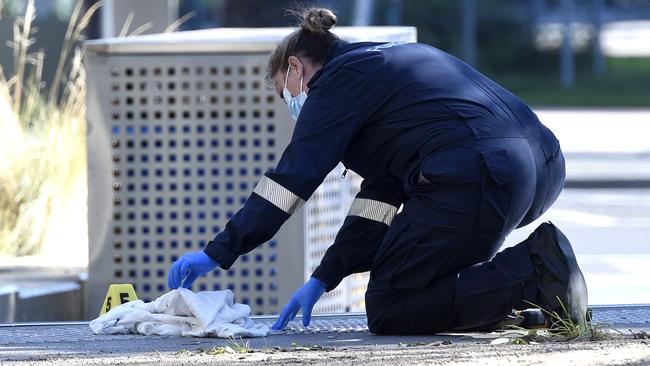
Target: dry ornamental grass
[42,140]
[43,186]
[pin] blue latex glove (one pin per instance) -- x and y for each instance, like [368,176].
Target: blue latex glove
[305,297]
[188,268]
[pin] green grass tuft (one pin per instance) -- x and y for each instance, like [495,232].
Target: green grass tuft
[564,329]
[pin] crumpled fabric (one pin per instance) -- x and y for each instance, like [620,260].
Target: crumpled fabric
[182,312]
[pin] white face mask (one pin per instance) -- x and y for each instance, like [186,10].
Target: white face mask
[294,103]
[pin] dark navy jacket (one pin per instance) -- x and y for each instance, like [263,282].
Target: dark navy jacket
[374,107]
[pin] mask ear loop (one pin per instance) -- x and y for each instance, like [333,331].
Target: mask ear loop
[286,79]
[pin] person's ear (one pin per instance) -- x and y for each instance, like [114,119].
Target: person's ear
[296,65]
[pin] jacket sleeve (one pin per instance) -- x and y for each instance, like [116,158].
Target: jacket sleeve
[363,230]
[334,112]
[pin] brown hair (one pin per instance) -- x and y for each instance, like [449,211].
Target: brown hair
[312,40]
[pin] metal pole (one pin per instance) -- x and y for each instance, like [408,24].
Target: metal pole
[107,19]
[566,62]
[539,7]
[469,31]
[173,7]
[394,16]
[155,13]
[363,10]
[599,60]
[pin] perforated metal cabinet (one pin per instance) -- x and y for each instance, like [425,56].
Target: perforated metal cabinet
[180,128]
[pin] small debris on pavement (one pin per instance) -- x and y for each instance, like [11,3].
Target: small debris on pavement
[500,341]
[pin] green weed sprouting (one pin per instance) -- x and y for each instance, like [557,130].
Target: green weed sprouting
[564,329]
[240,346]
[234,346]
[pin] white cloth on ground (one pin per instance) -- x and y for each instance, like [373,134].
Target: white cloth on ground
[182,312]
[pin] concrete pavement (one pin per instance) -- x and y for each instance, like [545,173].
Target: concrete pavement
[74,343]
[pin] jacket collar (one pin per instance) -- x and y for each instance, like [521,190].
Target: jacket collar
[338,48]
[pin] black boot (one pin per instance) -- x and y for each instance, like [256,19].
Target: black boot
[562,287]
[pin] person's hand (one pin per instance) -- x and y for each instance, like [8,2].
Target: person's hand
[188,268]
[304,298]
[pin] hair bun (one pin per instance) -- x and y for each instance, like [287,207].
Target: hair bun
[318,20]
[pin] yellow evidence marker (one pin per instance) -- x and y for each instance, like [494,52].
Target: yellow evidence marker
[118,294]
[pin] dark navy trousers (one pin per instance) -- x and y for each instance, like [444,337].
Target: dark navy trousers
[437,268]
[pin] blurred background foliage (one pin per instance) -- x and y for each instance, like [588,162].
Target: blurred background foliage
[507,32]
[506,48]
